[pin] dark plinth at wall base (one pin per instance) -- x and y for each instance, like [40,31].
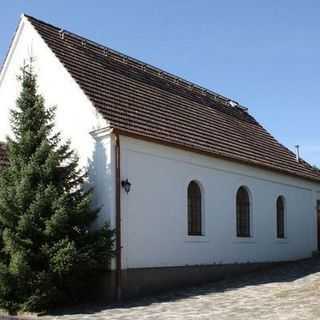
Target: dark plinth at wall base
[148,281]
[316,254]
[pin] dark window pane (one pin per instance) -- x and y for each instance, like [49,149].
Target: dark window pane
[243,213]
[280,217]
[194,209]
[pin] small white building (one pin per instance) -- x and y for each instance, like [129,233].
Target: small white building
[195,187]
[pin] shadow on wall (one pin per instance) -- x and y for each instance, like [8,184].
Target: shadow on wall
[100,179]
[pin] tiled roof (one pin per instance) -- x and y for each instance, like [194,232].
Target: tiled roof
[3,155]
[145,102]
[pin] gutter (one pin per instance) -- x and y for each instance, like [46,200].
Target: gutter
[118,219]
[96,134]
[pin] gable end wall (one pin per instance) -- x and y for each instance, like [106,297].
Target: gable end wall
[76,117]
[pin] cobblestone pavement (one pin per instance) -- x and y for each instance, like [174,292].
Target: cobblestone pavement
[285,292]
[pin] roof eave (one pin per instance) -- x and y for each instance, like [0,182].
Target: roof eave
[213,154]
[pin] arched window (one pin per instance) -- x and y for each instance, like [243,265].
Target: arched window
[194,209]
[280,218]
[243,213]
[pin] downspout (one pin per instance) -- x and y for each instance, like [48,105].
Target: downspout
[118,219]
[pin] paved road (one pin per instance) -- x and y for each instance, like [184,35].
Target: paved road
[287,292]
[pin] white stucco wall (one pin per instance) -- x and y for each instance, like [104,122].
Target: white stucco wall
[154,213]
[76,117]
[102,175]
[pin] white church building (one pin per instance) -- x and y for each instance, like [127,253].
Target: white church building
[195,187]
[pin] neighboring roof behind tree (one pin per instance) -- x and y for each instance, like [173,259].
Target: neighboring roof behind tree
[145,102]
[3,155]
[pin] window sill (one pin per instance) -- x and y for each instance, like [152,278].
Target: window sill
[196,239]
[281,241]
[249,240]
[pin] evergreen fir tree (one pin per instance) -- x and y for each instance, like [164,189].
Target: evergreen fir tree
[48,247]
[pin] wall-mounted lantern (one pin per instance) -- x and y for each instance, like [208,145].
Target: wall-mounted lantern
[126,185]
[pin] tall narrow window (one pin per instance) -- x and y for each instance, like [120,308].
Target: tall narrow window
[243,213]
[194,209]
[280,218]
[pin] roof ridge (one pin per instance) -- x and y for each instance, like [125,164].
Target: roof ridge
[169,76]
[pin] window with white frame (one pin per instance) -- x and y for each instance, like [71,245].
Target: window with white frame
[194,209]
[280,217]
[243,213]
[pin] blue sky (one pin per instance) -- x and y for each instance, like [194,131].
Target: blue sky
[264,54]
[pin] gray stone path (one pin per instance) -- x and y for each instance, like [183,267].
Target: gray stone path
[287,292]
